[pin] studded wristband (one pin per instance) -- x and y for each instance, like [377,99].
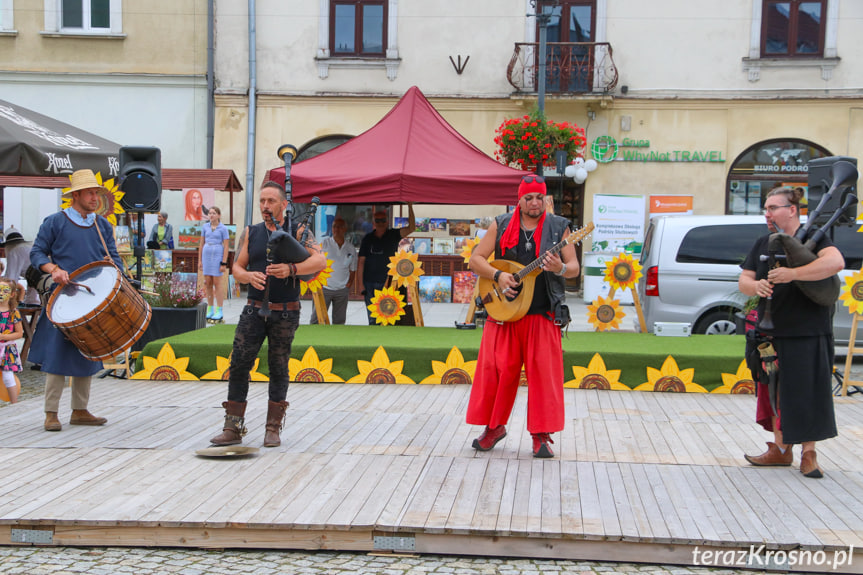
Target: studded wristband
[497,275]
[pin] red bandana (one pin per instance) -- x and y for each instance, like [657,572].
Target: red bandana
[510,236]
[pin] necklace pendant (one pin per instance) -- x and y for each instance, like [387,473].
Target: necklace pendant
[528,246]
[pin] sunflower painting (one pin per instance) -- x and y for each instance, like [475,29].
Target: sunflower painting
[313,370]
[596,376]
[109,204]
[380,370]
[670,378]
[405,268]
[165,367]
[623,272]
[388,306]
[223,370]
[737,383]
[455,370]
[605,313]
[319,280]
[852,293]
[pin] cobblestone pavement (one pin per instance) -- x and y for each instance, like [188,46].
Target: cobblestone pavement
[110,560]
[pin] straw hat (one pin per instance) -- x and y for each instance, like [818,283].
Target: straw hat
[83,180]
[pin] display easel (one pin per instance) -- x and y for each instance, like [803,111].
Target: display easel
[321,307]
[122,361]
[852,340]
[637,303]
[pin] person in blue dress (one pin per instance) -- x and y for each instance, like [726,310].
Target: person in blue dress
[213,261]
[67,241]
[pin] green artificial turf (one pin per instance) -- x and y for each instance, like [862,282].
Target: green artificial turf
[631,353]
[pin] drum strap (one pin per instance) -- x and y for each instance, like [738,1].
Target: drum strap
[104,245]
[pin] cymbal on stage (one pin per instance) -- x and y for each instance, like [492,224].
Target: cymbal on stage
[227,451]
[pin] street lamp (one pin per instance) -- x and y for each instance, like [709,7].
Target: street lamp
[542,20]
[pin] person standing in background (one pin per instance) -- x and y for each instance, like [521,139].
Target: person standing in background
[344,257]
[213,261]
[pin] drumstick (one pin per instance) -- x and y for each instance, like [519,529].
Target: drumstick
[86,287]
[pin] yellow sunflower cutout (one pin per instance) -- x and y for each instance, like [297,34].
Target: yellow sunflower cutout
[165,367]
[737,383]
[596,376]
[405,268]
[109,204]
[223,370]
[320,280]
[670,378]
[605,313]
[380,370]
[852,292]
[313,370]
[455,370]
[467,250]
[622,272]
[388,306]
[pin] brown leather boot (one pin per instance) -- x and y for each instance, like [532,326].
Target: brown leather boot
[84,417]
[234,430]
[772,457]
[275,422]
[809,466]
[52,423]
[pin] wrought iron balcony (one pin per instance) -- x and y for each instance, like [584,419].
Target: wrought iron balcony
[571,67]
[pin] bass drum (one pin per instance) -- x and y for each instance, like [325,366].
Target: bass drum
[103,315]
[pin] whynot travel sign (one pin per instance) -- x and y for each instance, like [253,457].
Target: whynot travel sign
[32,144]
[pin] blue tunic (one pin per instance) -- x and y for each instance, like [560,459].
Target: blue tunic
[71,247]
[213,250]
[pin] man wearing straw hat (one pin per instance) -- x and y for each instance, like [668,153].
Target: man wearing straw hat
[67,241]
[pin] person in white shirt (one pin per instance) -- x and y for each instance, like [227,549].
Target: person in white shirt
[344,257]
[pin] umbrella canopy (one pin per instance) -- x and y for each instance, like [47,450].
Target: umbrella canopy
[35,145]
[411,155]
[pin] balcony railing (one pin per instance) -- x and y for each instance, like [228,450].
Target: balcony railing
[571,67]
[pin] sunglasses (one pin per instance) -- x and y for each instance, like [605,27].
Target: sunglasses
[380,220]
[531,179]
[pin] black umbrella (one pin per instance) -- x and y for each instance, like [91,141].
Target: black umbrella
[35,145]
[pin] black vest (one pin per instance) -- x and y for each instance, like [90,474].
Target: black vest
[281,290]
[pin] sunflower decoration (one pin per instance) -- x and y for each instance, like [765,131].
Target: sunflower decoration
[670,378]
[313,370]
[380,370]
[455,370]
[165,367]
[388,306]
[319,280]
[622,272]
[596,376]
[223,370]
[405,268]
[467,250]
[109,204]
[852,292]
[605,313]
[737,383]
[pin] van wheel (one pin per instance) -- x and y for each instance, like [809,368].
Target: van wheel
[717,323]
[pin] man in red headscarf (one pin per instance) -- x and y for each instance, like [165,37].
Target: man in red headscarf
[534,340]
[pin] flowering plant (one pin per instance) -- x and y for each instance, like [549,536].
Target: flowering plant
[532,140]
[168,293]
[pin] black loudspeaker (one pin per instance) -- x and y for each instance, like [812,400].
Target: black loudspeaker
[821,177]
[141,178]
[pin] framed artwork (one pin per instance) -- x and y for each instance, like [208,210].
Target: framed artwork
[406,245]
[190,237]
[423,245]
[458,243]
[198,202]
[422,224]
[443,246]
[400,222]
[437,224]
[463,284]
[232,235]
[162,261]
[122,239]
[148,283]
[459,227]
[184,281]
[435,289]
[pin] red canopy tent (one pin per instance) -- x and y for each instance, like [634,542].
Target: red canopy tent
[411,155]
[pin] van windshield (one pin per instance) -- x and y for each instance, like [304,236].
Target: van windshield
[726,244]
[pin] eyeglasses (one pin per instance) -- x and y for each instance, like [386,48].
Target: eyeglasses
[380,220]
[771,209]
[531,179]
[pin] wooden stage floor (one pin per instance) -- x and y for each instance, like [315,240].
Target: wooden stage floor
[649,477]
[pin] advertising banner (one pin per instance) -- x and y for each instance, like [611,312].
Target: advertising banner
[619,223]
[670,205]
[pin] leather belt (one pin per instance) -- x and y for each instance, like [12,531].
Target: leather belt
[288,305]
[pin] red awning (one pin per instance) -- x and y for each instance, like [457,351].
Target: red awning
[172,179]
[411,155]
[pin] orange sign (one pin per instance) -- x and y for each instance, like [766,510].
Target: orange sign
[670,204]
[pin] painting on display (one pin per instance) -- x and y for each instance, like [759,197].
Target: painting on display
[459,227]
[423,245]
[463,285]
[122,239]
[459,243]
[435,289]
[198,201]
[406,245]
[422,224]
[184,281]
[443,246]
[190,237]
[437,224]
[162,261]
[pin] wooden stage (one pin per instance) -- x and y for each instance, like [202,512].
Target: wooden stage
[642,477]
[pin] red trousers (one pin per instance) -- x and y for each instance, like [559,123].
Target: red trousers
[535,342]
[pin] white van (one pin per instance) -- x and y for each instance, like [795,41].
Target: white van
[690,266]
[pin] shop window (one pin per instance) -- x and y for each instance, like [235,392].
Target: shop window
[765,166]
[87,17]
[793,28]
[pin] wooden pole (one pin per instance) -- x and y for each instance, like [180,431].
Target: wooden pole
[415,300]
[638,310]
[851,350]
[321,307]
